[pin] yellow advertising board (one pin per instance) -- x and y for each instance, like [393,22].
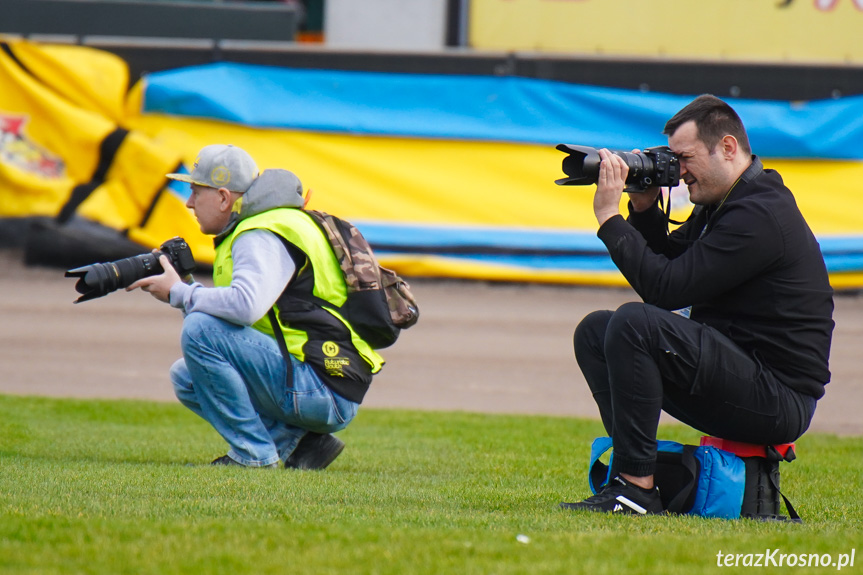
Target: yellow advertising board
[447,175]
[65,148]
[797,31]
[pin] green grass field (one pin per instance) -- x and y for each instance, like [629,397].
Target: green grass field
[104,487]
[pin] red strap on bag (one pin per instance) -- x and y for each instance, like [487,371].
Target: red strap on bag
[746,449]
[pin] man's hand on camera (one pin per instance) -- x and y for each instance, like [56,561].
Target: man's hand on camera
[643,200]
[609,186]
[159,286]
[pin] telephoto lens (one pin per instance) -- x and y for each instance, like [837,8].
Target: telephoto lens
[653,167]
[98,280]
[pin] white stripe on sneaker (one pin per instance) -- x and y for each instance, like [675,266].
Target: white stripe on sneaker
[631,504]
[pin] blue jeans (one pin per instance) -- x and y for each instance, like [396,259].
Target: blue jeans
[234,377]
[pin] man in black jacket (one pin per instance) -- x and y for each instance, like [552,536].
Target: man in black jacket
[733,336]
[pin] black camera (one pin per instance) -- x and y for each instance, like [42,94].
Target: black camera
[97,280]
[653,167]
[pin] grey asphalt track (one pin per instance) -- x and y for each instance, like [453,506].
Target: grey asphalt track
[479,347]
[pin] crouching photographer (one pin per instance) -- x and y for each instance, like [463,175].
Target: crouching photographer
[273,374]
[733,334]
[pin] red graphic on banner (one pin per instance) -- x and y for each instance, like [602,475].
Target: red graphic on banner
[826,5]
[17,150]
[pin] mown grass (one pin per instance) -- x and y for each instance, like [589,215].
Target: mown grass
[104,487]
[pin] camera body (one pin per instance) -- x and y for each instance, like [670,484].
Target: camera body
[180,255]
[652,167]
[97,280]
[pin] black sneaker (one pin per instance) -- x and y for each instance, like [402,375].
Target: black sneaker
[315,451]
[620,496]
[225,460]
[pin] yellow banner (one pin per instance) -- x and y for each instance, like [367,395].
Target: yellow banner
[474,184]
[800,31]
[476,208]
[64,147]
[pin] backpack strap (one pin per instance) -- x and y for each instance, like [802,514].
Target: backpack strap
[302,275]
[792,514]
[774,454]
[687,461]
[283,347]
[597,474]
[352,251]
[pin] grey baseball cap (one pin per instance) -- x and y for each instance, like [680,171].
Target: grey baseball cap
[221,166]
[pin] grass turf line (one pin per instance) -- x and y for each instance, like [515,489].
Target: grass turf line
[104,487]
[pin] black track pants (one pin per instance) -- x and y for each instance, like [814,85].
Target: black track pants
[641,359]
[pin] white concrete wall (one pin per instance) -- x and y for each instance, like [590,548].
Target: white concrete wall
[385,24]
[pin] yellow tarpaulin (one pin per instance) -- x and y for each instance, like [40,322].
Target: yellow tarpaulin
[456,190]
[66,150]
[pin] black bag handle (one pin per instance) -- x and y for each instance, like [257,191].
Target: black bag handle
[774,455]
[687,461]
[792,514]
[598,474]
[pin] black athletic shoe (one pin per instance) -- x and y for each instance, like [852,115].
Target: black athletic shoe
[225,460]
[620,496]
[315,451]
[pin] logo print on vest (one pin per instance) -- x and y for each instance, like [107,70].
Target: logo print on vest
[334,366]
[330,349]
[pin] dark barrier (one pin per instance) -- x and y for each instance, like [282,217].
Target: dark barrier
[762,81]
[155,19]
[262,33]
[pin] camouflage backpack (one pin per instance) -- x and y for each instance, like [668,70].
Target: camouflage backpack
[380,303]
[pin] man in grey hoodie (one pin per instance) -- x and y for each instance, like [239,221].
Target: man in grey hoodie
[274,374]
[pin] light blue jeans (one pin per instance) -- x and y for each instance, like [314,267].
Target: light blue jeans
[234,378]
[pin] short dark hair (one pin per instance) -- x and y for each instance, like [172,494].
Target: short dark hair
[714,119]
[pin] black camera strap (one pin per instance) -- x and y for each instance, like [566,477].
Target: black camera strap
[283,347]
[666,209]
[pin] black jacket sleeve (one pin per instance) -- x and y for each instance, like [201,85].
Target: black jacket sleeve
[683,269]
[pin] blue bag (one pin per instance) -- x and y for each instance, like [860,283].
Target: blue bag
[693,480]
[719,478]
